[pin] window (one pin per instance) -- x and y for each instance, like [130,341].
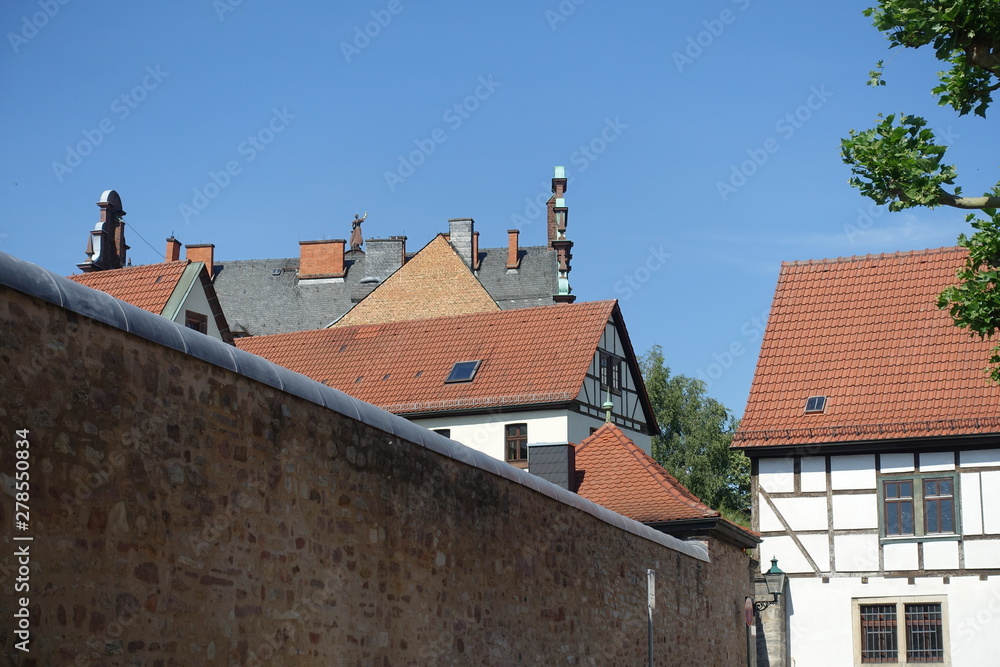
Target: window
[196,321]
[918,505]
[906,631]
[516,439]
[815,404]
[611,372]
[463,371]
[446,432]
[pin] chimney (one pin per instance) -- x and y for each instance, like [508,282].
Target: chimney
[554,463]
[383,258]
[106,248]
[173,250]
[321,259]
[202,252]
[460,234]
[557,206]
[475,251]
[513,256]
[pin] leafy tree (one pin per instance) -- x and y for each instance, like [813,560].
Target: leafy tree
[693,444]
[898,162]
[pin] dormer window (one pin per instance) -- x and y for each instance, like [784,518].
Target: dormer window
[815,404]
[463,371]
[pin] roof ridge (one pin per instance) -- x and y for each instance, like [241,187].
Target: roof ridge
[884,255]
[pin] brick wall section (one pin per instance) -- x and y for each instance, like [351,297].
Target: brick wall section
[321,259]
[184,514]
[434,283]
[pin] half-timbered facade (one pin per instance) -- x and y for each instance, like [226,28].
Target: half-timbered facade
[874,435]
[495,381]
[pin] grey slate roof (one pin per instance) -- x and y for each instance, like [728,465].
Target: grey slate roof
[257,302]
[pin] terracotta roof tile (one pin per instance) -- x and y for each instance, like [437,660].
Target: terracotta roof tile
[149,286]
[529,355]
[620,476]
[866,333]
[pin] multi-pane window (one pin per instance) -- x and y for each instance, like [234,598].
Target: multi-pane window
[919,639]
[196,321]
[918,505]
[516,438]
[611,372]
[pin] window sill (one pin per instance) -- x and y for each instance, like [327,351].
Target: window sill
[950,537]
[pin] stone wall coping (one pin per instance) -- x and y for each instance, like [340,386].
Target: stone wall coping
[46,285]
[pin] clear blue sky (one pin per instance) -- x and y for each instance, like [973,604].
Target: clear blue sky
[650,105]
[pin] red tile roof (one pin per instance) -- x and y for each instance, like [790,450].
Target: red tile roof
[866,333]
[620,476]
[149,287]
[529,355]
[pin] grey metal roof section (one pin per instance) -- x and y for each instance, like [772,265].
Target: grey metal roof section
[35,281]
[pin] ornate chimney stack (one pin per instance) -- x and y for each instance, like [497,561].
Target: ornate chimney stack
[106,248]
[558,220]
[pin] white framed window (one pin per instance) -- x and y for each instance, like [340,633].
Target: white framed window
[909,630]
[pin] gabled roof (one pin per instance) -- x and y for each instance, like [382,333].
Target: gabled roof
[866,333]
[149,287]
[530,356]
[614,472]
[435,282]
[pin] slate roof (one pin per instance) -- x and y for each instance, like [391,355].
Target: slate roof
[149,287]
[612,471]
[866,333]
[258,302]
[529,356]
[435,282]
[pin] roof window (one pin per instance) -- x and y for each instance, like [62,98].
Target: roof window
[815,404]
[463,371]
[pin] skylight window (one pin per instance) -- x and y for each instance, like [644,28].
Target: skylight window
[815,404]
[463,371]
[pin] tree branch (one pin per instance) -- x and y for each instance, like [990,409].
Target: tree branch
[949,199]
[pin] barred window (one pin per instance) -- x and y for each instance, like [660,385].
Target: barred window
[924,635]
[878,633]
[918,639]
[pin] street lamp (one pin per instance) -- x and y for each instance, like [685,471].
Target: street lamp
[774,579]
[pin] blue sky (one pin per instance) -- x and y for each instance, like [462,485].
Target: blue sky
[702,140]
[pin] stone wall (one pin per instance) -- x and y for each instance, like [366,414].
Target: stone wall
[185,514]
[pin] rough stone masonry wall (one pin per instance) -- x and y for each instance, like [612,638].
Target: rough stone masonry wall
[183,514]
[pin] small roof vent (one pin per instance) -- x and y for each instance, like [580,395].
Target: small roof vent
[815,404]
[276,272]
[463,371]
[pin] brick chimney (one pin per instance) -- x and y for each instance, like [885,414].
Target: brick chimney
[106,248]
[202,252]
[321,259]
[513,254]
[460,234]
[383,258]
[557,206]
[173,250]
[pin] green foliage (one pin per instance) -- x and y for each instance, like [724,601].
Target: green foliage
[975,303]
[693,444]
[899,164]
